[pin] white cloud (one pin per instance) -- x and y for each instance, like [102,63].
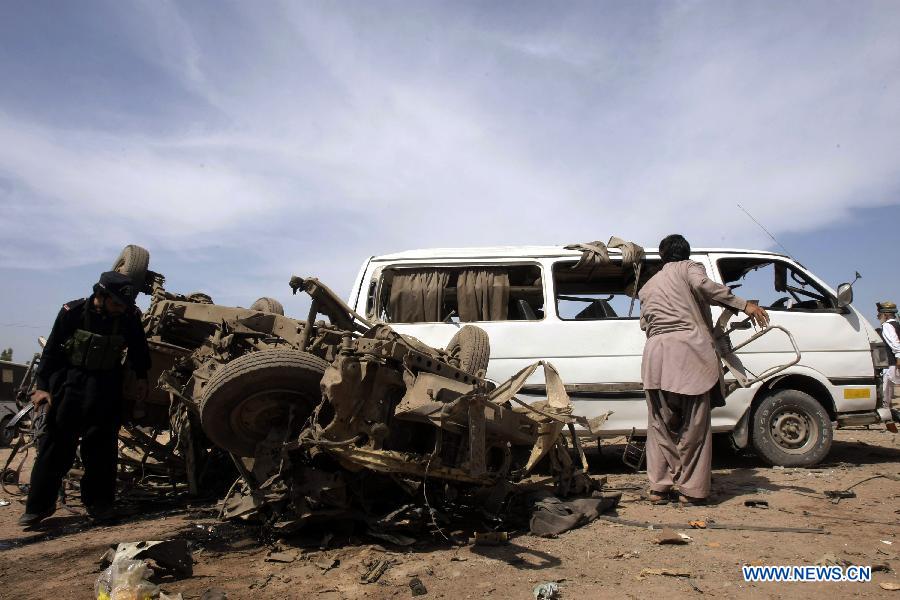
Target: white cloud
[334,135]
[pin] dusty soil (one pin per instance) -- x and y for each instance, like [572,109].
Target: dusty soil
[599,560]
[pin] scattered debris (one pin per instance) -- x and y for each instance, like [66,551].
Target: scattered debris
[888,542]
[837,495]
[4,502]
[326,564]
[165,596]
[664,572]
[169,557]
[713,545]
[711,525]
[890,586]
[546,591]
[697,524]
[125,578]
[829,559]
[551,516]
[393,538]
[756,503]
[490,538]
[375,570]
[261,583]
[417,587]
[282,557]
[214,594]
[669,536]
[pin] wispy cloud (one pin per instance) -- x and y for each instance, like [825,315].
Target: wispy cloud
[308,137]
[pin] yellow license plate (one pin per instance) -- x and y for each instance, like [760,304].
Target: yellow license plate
[857,393]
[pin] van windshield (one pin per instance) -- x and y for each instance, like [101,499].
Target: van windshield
[461,294]
[774,284]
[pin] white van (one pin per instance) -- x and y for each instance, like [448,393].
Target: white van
[535,304]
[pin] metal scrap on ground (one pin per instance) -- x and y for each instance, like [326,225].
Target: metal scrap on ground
[345,419]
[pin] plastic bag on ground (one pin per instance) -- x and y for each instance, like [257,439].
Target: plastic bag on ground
[125,580]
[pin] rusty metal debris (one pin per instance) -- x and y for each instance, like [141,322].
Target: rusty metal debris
[336,417]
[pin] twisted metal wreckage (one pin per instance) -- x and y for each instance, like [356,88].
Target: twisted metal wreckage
[346,419]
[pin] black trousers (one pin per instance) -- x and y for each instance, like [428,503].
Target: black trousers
[86,407]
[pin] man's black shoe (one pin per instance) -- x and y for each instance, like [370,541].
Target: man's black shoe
[102,514]
[32,519]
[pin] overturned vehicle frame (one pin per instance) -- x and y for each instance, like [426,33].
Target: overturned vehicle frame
[322,417]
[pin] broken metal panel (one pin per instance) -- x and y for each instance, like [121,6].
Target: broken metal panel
[392,408]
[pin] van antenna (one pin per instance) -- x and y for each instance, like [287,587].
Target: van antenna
[768,233]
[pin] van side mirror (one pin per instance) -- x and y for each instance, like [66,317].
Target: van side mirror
[844,294]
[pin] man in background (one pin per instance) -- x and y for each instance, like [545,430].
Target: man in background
[890,333]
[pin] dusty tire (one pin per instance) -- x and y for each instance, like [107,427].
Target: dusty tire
[790,428]
[470,349]
[6,435]
[249,395]
[134,262]
[269,305]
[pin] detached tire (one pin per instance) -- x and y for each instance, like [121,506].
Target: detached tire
[252,394]
[133,261]
[269,305]
[470,348]
[791,429]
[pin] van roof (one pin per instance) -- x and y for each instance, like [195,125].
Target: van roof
[527,251]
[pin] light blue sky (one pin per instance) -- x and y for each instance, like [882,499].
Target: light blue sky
[243,142]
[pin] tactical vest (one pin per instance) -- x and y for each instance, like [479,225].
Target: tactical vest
[94,351]
[893,323]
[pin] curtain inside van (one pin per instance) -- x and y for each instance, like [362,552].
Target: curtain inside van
[483,295]
[417,295]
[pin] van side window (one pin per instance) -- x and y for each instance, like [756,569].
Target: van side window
[603,292]
[461,294]
[776,285]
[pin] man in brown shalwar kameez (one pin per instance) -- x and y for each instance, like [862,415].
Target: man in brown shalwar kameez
[681,371]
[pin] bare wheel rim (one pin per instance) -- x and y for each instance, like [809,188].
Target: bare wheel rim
[259,413]
[794,432]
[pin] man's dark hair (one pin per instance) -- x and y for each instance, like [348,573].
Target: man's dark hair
[674,248]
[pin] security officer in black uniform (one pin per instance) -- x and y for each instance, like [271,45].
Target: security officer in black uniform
[80,379]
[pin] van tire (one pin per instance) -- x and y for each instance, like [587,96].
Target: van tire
[268,305]
[248,396]
[790,428]
[133,261]
[470,350]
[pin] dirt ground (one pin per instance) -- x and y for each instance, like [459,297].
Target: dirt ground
[599,560]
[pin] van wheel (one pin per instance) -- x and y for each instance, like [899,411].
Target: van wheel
[133,261]
[254,393]
[470,350]
[791,429]
[268,305]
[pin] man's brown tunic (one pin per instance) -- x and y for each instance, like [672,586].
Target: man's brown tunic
[680,368]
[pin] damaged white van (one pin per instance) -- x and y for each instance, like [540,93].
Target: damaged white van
[542,303]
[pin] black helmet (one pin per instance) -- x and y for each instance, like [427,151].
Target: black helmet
[117,286]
